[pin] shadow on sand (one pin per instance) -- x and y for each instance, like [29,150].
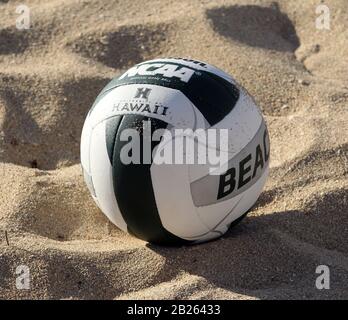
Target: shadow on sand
[267,255]
[262,27]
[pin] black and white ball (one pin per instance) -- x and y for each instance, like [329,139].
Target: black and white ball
[174,203]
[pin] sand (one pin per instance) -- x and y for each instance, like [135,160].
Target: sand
[49,78]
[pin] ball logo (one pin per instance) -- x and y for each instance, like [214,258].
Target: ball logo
[134,107]
[142,93]
[246,171]
[154,69]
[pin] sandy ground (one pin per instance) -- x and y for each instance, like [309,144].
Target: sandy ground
[49,77]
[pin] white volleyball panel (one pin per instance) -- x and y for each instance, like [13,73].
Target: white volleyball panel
[174,202]
[213,215]
[85,145]
[242,122]
[101,172]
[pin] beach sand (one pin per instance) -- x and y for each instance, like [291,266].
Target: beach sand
[50,75]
